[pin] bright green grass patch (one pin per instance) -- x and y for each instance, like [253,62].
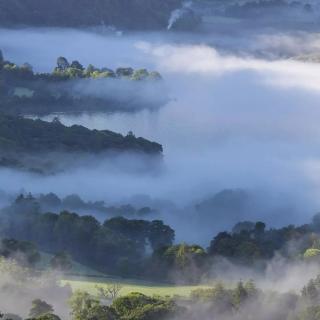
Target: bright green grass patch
[128,286]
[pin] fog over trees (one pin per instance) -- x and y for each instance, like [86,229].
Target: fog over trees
[159,160]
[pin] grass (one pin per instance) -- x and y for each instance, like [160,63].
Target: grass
[129,285]
[84,278]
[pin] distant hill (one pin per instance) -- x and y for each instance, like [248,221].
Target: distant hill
[125,14]
[28,135]
[26,143]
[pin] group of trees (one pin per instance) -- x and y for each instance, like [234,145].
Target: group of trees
[118,245]
[24,252]
[145,248]
[248,244]
[251,242]
[135,306]
[66,70]
[21,138]
[244,300]
[73,202]
[27,135]
[23,91]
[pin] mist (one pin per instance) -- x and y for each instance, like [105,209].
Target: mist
[235,120]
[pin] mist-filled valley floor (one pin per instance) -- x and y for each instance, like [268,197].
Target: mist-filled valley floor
[162,168]
[233,121]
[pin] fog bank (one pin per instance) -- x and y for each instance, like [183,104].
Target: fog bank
[234,120]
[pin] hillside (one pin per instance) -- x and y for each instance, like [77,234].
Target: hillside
[27,144]
[125,14]
[19,134]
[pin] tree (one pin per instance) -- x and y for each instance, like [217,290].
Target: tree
[40,308]
[83,307]
[62,63]
[137,306]
[243,226]
[223,244]
[160,235]
[260,228]
[312,254]
[124,72]
[240,294]
[251,288]
[140,74]
[80,303]
[23,252]
[51,200]
[90,69]
[184,262]
[28,67]
[109,292]
[76,65]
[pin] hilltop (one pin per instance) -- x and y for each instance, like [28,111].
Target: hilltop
[125,14]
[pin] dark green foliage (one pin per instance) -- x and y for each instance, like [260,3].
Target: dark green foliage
[134,306]
[107,247]
[84,307]
[251,243]
[243,226]
[62,64]
[133,14]
[141,231]
[137,306]
[51,202]
[26,135]
[29,144]
[39,308]
[184,263]
[24,252]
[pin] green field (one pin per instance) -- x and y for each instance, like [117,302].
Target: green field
[128,286]
[84,278]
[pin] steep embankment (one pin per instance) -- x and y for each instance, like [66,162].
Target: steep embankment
[126,14]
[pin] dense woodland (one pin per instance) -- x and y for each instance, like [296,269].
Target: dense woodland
[122,246]
[35,145]
[145,14]
[137,248]
[22,91]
